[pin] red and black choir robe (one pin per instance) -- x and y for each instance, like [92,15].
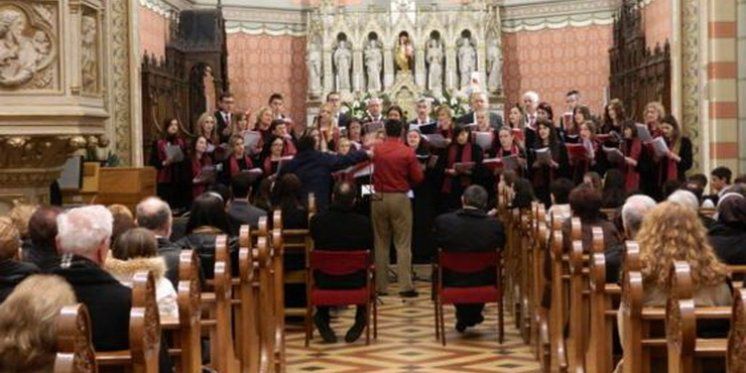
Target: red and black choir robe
[453,186]
[542,175]
[235,165]
[631,148]
[197,167]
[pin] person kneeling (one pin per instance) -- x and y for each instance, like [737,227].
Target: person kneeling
[340,229]
[469,229]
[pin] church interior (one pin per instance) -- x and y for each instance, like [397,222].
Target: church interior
[559,146]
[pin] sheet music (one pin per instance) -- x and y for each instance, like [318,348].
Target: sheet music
[251,140]
[511,162]
[372,127]
[206,176]
[436,140]
[463,167]
[427,128]
[543,156]
[660,147]
[643,133]
[484,139]
[174,154]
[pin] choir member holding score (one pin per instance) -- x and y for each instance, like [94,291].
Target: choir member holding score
[239,161]
[677,158]
[168,157]
[580,115]
[649,166]
[461,165]
[547,160]
[582,155]
[613,117]
[423,211]
[203,170]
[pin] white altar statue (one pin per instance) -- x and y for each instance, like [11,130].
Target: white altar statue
[343,62]
[373,63]
[467,58]
[434,58]
[314,70]
[494,66]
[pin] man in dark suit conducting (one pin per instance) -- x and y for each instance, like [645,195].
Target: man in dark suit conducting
[478,102]
[469,230]
[337,229]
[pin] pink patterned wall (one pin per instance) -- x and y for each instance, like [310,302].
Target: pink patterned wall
[657,22]
[153,32]
[554,61]
[259,65]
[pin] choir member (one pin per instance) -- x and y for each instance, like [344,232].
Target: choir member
[544,111]
[395,113]
[423,246]
[171,166]
[530,104]
[679,158]
[423,112]
[543,173]
[206,128]
[344,147]
[614,193]
[631,148]
[588,161]
[445,122]
[263,122]
[277,103]
[279,128]
[613,117]
[375,111]
[516,117]
[273,155]
[572,100]
[202,167]
[238,161]
[479,102]
[508,146]
[461,165]
[241,123]
[225,117]
[581,115]
[355,132]
[328,131]
[648,166]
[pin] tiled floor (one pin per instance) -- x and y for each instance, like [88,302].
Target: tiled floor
[406,343]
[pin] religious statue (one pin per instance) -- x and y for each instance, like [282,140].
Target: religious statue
[467,58]
[494,66]
[434,59]
[373,62]
[314,70]
[404,53]
[21,56]
[343,62]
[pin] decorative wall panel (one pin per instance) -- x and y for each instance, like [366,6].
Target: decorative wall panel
[554,61]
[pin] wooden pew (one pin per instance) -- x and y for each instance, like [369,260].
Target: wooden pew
[560,291]
[144,330]
[221,339]
[267,322]
[186,329]
[685,349]
[604,299]
[75,352]
[525,223]
[736,354]
[248,322]
[278,307]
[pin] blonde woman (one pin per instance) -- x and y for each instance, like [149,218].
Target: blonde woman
[12,271]
[28,323]
[206,127]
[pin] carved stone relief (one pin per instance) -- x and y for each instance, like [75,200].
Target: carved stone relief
[89,64]
[27,46]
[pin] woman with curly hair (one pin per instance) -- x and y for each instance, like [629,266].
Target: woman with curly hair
[673,232]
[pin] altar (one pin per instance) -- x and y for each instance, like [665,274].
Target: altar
[404,51]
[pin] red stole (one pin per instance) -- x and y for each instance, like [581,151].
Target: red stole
[235,168]
[632,149]
[466,157]
[289,148]
[672,167]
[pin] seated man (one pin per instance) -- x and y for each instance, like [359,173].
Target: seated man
[154,214]
[42,230]
[240,209]
[633,211]
[83,241]
[12,271]
[469,230]
[339,228]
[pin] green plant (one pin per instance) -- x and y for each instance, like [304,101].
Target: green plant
[458,103]
[357,107]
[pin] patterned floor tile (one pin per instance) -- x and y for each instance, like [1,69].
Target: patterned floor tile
[406,343]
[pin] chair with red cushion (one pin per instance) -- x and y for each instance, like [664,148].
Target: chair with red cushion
[341,263]
[467,263]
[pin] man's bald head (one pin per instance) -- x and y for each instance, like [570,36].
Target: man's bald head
[154,214]
[344,194]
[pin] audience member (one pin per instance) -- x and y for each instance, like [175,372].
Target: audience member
[469,230]
[720,180]
[690,201]
[20,214]
[154,215]
[28,323]
[633,212]
[43,232]
[613,191]
[728,234]
[12,271]
[83,239]
[123,221]
[207,220]
[560,195]
[339,229]
[240,209]
[134,251]
[585,203]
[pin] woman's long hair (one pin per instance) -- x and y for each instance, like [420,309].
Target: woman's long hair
[208,210]
[672,232]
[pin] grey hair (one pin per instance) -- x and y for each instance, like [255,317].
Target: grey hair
[532,95]
[475,196]
[82,230]
[634,210]
[684,198]
[153,213]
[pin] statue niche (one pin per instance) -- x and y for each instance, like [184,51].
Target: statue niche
[343,63]
[373,57]
[467,58]
[434,60]
[404,54]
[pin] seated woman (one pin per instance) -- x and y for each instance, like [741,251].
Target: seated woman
[12,271]
[28,323]
[673,232]
[287,197]
[585,203]
[137,250]
[728,234]
[207,220]
[613,194]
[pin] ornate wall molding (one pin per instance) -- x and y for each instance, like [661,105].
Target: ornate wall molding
[690,82]
[552,15]
[263,21]
[166,8]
